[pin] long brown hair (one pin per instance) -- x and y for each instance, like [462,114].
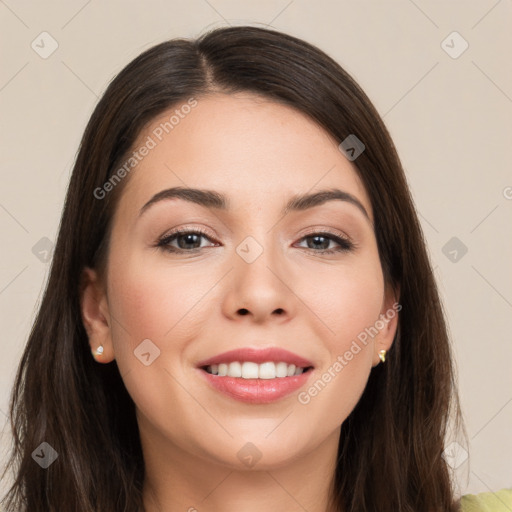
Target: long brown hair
[391,445]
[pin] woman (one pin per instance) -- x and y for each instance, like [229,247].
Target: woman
[240,253]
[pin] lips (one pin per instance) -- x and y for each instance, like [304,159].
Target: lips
[262,390]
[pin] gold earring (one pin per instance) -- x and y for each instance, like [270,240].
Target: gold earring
[382,355]
[98,351]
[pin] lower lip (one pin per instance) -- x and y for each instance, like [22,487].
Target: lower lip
[257,391]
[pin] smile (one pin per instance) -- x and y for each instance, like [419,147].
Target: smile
[256,376]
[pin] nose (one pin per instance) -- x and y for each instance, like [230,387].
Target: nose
[260,290]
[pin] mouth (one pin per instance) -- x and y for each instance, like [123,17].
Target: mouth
[256,376]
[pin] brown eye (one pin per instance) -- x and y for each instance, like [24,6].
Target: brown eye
[187,240]
[320,242]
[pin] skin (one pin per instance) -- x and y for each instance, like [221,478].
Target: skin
[259,153]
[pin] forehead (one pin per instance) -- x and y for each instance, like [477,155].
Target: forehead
[248,147]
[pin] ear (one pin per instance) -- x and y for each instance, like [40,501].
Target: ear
[95,315]
[387,323]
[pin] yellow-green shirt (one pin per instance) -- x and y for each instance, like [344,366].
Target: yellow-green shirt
[499,501]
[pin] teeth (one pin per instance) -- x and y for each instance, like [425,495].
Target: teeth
[235,369]
[281,370]
[267,371]
[250,370]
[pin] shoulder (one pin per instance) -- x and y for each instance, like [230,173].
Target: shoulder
[499,501]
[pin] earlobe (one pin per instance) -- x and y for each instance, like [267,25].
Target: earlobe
[389,324]
[95,316]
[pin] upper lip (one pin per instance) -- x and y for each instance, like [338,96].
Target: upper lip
[257,355]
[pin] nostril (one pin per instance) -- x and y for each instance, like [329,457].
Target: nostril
[243,311]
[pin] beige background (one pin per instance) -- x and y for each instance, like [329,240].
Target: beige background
[450,119]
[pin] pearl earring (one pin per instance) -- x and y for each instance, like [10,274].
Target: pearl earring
[98,351]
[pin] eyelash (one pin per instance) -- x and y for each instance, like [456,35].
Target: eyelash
[344,244]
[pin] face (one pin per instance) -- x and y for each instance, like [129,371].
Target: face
[245,276]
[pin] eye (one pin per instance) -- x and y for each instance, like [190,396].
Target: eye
[187,240]
[322,241]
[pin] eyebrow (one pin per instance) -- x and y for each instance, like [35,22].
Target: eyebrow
[216,200]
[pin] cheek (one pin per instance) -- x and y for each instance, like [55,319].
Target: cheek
[346,298]
[153,301]
[156,302]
